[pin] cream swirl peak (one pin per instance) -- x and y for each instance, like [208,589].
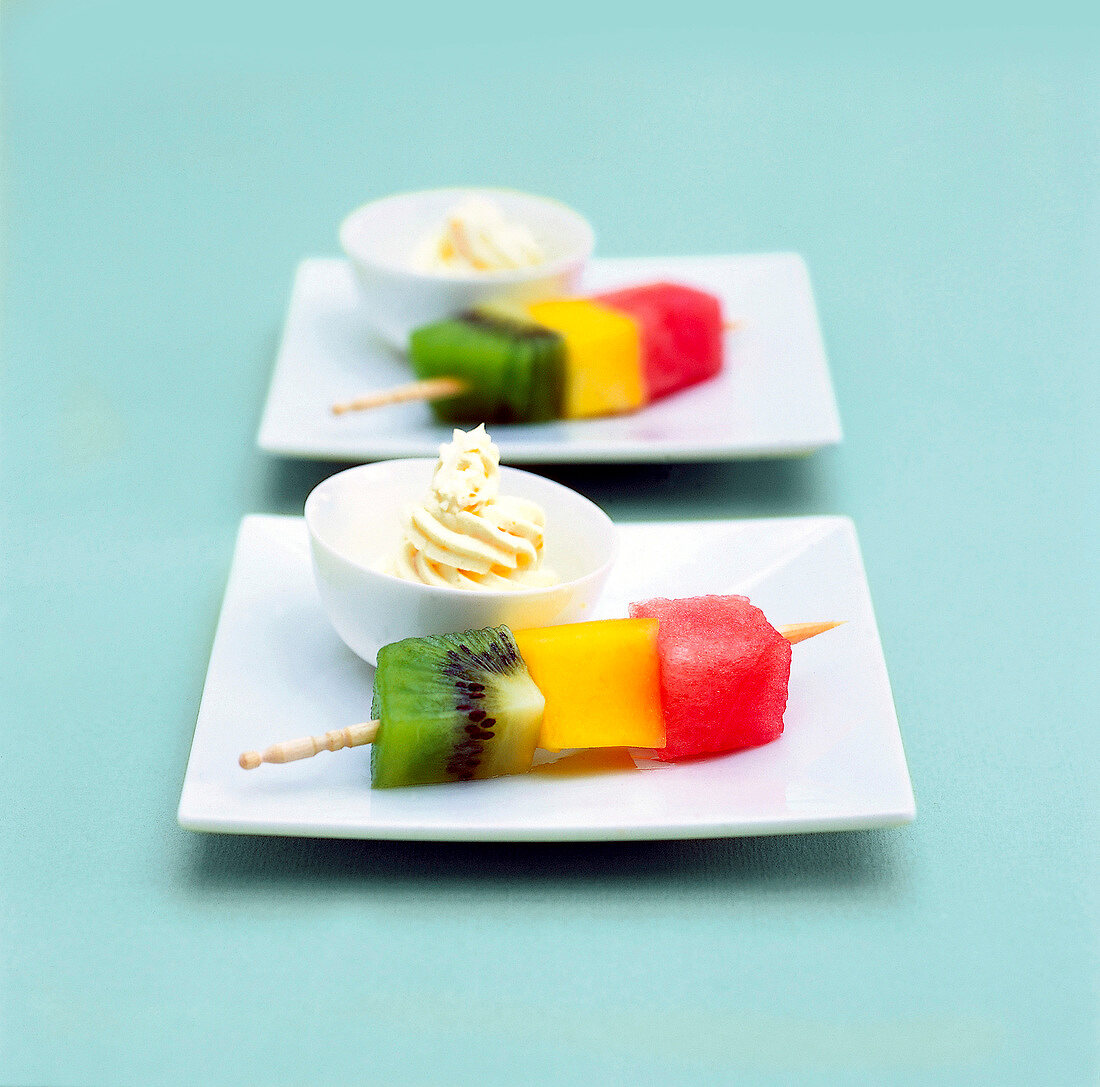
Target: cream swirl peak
[464,535]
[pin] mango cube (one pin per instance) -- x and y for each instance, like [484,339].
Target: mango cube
[601,682]
[603,356]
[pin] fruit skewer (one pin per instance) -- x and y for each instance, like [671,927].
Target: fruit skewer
[546,651]
[567,358]
[429,388]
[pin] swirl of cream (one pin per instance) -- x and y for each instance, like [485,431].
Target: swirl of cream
[464,535]
[475,236]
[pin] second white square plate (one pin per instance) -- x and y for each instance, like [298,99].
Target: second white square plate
[773,398]
[278,670]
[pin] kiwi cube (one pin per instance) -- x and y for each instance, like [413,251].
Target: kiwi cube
[515,369]
[453,707]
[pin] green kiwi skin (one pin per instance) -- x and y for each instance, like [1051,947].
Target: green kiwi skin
[547,401]
[453,707]
[515,370]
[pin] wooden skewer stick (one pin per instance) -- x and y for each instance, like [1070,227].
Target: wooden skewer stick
[432,388]
[356,735]
[308,746]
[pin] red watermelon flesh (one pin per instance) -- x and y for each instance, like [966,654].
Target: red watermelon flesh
[724,671]
[681,331]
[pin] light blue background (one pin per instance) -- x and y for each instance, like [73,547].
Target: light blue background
[162,176]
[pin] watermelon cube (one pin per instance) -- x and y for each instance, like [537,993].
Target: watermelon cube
[681,332]
[724,670]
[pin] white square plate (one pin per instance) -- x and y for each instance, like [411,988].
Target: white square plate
[773,398]
[277,670]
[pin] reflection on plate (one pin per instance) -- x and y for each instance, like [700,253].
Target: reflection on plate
[278,670]
[774,397]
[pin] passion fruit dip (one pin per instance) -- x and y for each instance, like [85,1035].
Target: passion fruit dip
[464,534]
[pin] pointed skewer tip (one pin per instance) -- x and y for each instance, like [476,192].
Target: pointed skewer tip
[801,632]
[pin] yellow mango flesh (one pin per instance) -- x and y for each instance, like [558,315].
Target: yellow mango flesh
[600,681]
[603,356]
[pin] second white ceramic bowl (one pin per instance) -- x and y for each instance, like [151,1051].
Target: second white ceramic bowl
[355,519]
[379,238]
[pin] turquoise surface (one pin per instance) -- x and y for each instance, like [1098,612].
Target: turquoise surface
[163,173]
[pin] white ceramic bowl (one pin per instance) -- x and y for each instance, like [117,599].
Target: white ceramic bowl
[355,519]
[380,237]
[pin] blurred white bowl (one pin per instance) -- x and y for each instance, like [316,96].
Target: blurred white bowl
[355,519]
[380,238]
